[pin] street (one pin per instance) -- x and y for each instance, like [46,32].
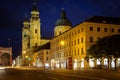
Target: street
[48,74]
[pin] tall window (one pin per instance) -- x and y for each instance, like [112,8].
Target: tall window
[75,32]
[28,45]
[46,58]
[98,29]
[105,29]
[91,39]
[72,43]
[75,52]
[78,41]
[35,44]
[35,30]
[81,29]
[72,34]
[81,40]
[91,28]
[81,50]
[47,53]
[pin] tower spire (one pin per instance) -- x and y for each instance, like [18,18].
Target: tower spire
[63,14]
[34,2]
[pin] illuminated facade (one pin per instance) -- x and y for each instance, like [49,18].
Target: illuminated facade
[78,40]
[42,57]
[31,36]
[5,56]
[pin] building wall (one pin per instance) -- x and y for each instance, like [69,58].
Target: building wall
[77,41]
[44,57]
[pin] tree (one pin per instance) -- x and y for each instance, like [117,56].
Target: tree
[108,46]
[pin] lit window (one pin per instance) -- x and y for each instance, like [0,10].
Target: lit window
[98,61]
[105,61]
[91,63]
[112,63]
[82,63]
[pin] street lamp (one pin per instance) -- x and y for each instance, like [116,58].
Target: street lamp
[62,42]
[26,56]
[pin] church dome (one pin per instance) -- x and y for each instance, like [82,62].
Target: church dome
[63,20]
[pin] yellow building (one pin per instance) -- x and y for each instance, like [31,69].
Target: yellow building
[69,46]
[31,36]
[71,54]
[43,56]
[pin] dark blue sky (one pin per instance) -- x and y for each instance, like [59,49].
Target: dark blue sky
[13,12]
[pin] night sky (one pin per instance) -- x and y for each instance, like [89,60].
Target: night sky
[13,12]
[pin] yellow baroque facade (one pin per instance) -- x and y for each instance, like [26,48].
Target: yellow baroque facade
[77,41]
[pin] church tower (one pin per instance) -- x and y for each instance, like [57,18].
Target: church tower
[62,24]
[31,36]
[35,35]
[31,30]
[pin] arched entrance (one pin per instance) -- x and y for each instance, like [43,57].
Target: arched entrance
[5,59]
